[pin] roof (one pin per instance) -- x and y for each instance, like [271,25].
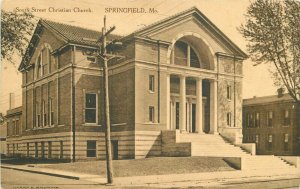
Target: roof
[14,111]
[267,99]
[83,36]
[207,23]
[68,33]
[75,34]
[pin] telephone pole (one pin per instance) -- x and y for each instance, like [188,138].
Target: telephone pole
[103,55]
[106,57]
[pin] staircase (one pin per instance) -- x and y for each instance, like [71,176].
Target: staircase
[211,145]
[265,162]
[216,146]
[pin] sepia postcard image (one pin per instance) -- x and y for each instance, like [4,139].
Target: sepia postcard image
[150,94]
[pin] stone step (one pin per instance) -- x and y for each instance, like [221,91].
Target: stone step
[266,163]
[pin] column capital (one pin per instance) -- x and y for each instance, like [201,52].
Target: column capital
[213,80]
[199,78]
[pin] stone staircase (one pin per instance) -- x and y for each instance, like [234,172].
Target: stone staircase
[211,145]
[266,163]
[190,144]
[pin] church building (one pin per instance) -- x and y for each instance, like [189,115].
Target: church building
[180,79]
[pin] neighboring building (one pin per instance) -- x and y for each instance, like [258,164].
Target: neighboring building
[273,123]
[3,135]
[14,131]
[181,73]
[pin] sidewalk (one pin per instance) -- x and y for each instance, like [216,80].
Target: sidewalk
[178,180]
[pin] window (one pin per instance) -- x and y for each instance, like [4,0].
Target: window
[257,119]
[91,59]
[151,114]
[36,150]
[90,108]
[61,154]
[27,149]
[13,128]
[270,119]
[91,148]
[51,114]
[39,65]
[43,63]
[229,119]
[44,113]
[38,115]
[17,127]
[270,141]
[229,92]
[43,149]
[286,119]
[286,142]
[249,120]
[185,55]
[151,83]
[49,149]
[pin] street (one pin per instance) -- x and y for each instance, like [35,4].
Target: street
[13,179]
[25,180]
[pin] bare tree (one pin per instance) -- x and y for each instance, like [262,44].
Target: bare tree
[16,30]
[272,30]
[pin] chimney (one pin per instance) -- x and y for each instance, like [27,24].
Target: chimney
[11,100]
[280,92]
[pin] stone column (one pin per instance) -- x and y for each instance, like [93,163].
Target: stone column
[199,126]
[182,105]
[190,116]
[213,107]
[187,105]
[188,56]
[168,102]
[174,114]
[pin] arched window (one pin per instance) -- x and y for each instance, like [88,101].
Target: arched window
[43,63]
[185,55]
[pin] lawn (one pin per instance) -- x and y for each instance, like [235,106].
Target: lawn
[148,166]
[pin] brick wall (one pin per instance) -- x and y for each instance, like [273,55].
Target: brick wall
[278,130]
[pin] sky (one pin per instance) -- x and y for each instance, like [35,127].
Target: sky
[227,15]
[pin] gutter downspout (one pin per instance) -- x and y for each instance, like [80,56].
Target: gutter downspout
[73,103]
[234,92]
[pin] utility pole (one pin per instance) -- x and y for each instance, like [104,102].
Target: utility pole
[103,55]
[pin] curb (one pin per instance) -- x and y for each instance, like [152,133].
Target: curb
[42,172]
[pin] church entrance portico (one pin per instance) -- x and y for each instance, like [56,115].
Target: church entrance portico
[190,104]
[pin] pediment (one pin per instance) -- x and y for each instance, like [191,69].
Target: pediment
[193,22]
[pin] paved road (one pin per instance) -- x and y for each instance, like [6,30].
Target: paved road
[12,179]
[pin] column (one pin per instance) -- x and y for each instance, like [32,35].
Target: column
[213,107]
[168,102]
[171,115]
[190,117]
[199,112]
[174,114]
[188,56]
[182,112]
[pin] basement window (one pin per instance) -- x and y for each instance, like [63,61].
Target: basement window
[91,148]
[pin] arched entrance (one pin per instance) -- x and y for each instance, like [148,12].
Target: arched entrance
[192,91]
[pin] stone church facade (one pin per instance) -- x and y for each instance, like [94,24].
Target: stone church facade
[179,75]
